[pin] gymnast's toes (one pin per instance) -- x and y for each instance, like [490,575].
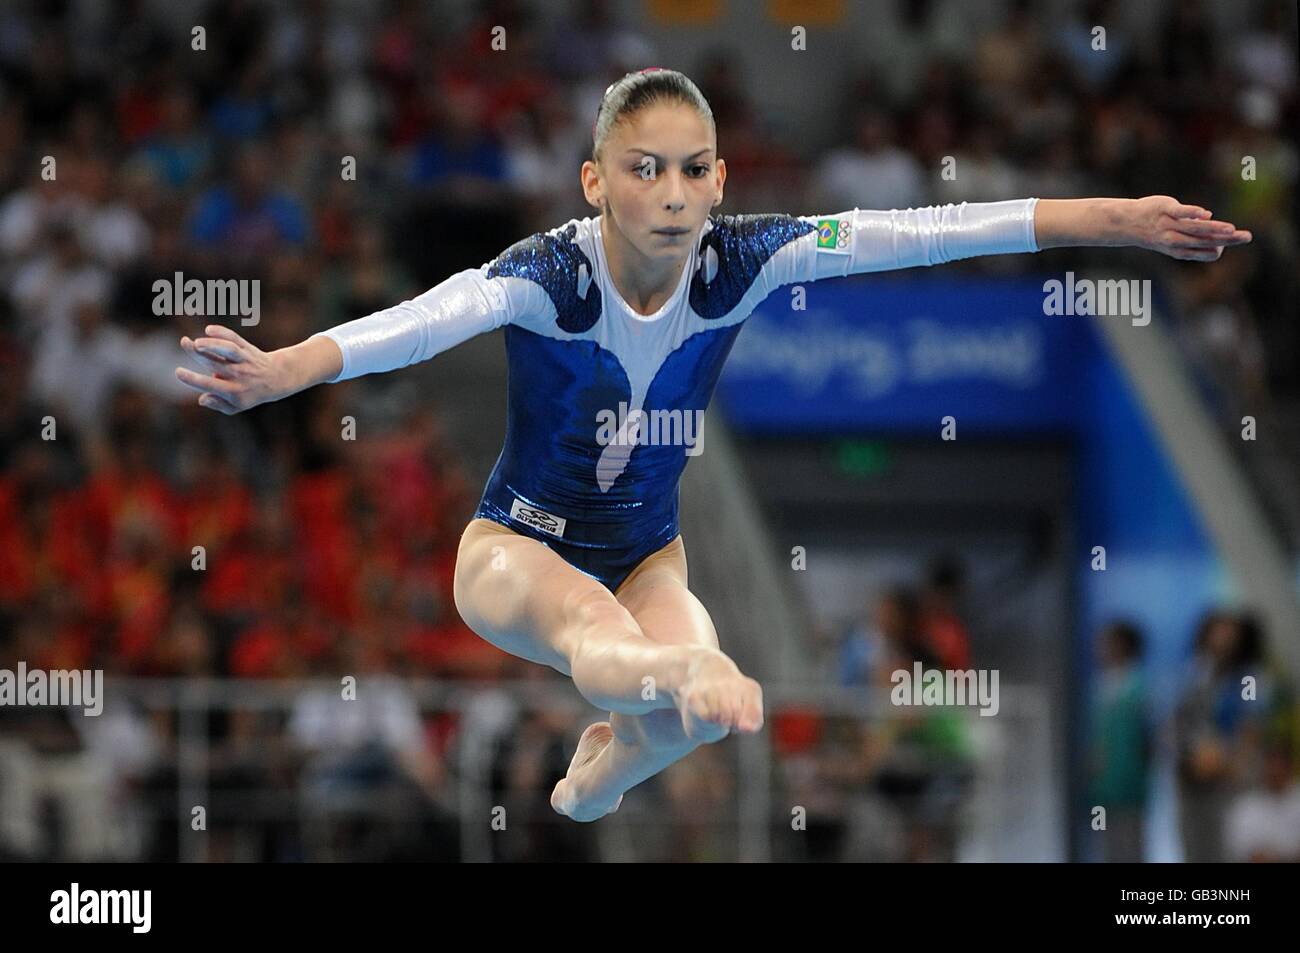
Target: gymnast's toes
[716,698]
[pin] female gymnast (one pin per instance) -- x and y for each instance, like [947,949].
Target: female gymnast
[574,559]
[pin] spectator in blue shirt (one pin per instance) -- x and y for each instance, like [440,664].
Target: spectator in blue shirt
[248,219]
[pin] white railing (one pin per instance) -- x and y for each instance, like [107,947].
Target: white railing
[1011,810]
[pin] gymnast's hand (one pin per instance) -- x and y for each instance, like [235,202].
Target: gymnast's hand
[244,376]
[1188,232]
[1157,223]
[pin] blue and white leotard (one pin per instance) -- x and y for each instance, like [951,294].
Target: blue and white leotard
[581,471]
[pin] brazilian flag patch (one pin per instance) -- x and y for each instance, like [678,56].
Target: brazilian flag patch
[833,234]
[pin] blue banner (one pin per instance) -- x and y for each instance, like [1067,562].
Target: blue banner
[897,353]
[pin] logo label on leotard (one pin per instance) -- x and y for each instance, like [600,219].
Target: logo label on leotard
[537,519]
[833,235]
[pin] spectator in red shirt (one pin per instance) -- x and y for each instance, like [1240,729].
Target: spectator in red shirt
[945,632]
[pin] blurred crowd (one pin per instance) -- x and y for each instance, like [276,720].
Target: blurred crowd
[1233,739]
[146,537]
[1030,107]
[897,788]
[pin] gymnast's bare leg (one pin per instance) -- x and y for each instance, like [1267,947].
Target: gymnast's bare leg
[649,655]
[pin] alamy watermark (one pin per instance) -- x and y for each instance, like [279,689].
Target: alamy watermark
[945,687]
[130,907]
[213,298]
[82,688]
[1106,297]
[675,427]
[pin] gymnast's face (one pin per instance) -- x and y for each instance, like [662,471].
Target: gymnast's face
[659,170]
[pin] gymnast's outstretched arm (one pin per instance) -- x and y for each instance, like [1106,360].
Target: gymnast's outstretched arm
[868,240]
[466,304]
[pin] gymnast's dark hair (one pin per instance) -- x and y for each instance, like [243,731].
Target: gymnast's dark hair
[626,97]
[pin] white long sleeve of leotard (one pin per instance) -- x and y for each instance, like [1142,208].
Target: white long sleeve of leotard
[861,240]
[464,305]
[866,240]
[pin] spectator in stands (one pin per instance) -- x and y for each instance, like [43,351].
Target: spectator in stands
[365,753]
[1120,742]
[78,363]
[945,632]
[57,277]
[43,760]
[871,172]
[179,151]
[1263,823]
[248,220]
[1215,726]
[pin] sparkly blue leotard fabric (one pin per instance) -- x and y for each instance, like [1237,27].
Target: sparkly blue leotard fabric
[606,506]
[605,405]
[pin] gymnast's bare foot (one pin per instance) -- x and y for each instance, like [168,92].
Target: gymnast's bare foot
[578,794]
[714,698]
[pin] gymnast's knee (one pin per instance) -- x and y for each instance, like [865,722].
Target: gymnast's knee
[482,602]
